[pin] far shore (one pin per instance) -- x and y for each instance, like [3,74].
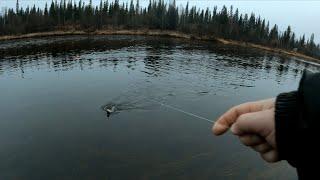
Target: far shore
[174,34]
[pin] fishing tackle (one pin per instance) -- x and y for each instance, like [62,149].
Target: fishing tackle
[110,110]
[184,112]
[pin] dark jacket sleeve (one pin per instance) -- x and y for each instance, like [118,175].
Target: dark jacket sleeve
[297,119]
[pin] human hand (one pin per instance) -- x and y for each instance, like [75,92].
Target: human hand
[254,123]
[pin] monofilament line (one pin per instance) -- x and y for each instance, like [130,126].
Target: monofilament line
[184,112]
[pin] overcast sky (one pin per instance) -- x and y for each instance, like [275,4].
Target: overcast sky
[303,16]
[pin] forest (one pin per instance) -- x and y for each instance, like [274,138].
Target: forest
[225,23]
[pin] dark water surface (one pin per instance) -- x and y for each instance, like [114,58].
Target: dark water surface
[53,90]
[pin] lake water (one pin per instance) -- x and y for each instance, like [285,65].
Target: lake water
[53,90]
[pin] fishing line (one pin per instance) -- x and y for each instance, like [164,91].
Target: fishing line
[182,111]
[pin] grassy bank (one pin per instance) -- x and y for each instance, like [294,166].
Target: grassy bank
[167,33]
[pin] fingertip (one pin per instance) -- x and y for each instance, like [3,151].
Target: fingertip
[219,129]
[270,156]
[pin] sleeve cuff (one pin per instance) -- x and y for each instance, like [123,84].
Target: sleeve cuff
[286,124]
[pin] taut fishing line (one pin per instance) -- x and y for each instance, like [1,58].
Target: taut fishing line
[109,109]
[182,111]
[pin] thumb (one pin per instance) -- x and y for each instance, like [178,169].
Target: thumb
[250,123]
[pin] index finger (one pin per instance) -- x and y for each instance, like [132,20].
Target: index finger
[227,119]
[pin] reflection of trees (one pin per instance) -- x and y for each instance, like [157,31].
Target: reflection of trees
[1,67]
[20,64]
[115,64]
[282,66]
[152,61]
[267,63]
[158,56]
[158,53]
[68,45]
[21,68]
[236,56]
[60,54]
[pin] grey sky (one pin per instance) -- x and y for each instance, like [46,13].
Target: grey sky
[303,16]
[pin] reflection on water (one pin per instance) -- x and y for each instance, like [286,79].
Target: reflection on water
[54,92]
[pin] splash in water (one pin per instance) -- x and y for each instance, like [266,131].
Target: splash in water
[116,107]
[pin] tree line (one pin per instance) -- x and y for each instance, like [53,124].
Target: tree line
[224,23]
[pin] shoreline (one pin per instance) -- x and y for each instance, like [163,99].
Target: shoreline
[167,33]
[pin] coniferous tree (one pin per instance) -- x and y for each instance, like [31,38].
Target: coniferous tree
[17,6]
[157,15]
